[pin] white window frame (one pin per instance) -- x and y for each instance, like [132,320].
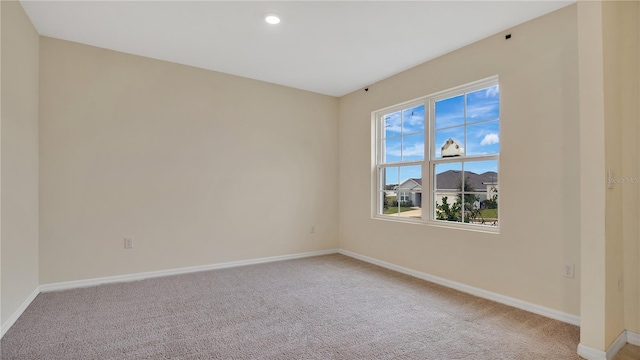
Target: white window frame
[429,162]
[378,185]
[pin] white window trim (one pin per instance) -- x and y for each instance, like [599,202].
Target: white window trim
[428,215]
[378,161]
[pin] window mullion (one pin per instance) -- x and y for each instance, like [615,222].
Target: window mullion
[466,159]
[464,129]
[408,163]
[401,137]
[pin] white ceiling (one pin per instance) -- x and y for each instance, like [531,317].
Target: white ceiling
[329,47]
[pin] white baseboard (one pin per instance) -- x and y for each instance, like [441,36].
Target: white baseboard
[617,345]
[633,338]
[25,304]
[590,353]
[161,273]
[520,304]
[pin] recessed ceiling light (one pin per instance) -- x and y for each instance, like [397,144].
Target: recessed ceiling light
[272,19]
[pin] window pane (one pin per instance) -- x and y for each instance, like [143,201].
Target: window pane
[480,191]
[389,202]
[388,191]
[450,112]
[391,149]
[483,104]
[389,177]
[483,138]
[447,206]
[488,214]
[477,173]
[448,177]
[409,204]
[402,193]
[447,198]
[410,191]
[413,120]
[392,124]
[413,147]
[411,177]
[452,140]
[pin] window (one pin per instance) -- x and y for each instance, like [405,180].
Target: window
[400,157]
[461,128]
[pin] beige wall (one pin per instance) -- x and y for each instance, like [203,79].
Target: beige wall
[0,168]
[614,63]
[19,158]
[539,147]
[609,66]
[592,180]
[198,167]
[629,75]
[633,319]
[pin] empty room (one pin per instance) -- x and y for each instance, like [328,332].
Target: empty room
[320,180]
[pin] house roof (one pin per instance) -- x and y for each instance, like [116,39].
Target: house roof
[451,179]
[411,184]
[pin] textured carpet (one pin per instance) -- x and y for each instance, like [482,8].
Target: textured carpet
[327,307]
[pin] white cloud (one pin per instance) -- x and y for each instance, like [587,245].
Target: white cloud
[490,139]
[414,123]
[492,91]
[449,119]
[393,128]
[411,150]
[483,109]
[414,150]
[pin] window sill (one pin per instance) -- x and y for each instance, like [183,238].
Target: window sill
[399,219]
[440,224]
[466,227]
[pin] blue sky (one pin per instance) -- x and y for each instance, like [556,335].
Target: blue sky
[404,133]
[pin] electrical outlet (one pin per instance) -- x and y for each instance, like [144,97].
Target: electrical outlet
[128,243]
[312,229]
[568,271]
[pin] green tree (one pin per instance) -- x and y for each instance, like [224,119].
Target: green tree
[449,212]
[385,206]
[491,203]
[471,210]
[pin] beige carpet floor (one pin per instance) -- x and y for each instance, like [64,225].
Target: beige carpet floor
[326,307]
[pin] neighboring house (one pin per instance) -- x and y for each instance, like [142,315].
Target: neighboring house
[452,148]
[391,192]
[448,184]
[411,190]
[450,181]
[491,188]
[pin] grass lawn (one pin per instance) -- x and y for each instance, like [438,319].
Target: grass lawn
[489,213]
[394,210]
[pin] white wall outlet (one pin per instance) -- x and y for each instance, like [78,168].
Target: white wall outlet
[568,271]
[128,243]
[312,229]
